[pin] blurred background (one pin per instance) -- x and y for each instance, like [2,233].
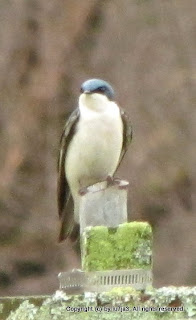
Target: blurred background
[146,50]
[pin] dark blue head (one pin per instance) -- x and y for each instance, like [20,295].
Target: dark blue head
[98,86]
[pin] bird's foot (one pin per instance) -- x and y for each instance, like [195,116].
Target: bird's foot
[83,191]
[111,181]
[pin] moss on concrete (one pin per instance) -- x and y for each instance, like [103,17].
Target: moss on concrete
[127,247]
[12,303]
[119,303]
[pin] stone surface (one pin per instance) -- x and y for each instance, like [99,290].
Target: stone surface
[121,303]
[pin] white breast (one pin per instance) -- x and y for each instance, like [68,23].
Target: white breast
[94,151]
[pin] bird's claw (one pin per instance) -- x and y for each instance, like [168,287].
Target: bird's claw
[111,181]
[83,191]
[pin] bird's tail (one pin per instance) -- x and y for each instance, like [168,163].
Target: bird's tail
[68,227]
[73,232]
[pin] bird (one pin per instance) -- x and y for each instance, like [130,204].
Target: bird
[94,141]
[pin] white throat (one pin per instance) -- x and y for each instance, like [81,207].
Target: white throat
[94,101]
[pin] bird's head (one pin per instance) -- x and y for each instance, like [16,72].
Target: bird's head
[96,92]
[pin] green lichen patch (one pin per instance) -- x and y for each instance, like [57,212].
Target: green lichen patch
[13,303]
[127,247]
[119,303]
[175,296]
[120,296]
[26,311]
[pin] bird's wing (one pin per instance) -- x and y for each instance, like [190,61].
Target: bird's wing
[127,134]
[63,192]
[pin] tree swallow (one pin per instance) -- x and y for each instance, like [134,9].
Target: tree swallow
[93,143]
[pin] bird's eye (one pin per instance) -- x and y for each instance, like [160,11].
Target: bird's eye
[81,90]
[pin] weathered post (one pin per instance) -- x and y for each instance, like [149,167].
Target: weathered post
[114,253]
[104,205]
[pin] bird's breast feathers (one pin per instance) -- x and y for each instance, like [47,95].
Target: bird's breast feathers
[95,149]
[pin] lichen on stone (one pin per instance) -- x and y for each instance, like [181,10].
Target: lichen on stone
[126,247]
[26,311]
[119,296]
[186,296]
[143,252]
[119,303]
